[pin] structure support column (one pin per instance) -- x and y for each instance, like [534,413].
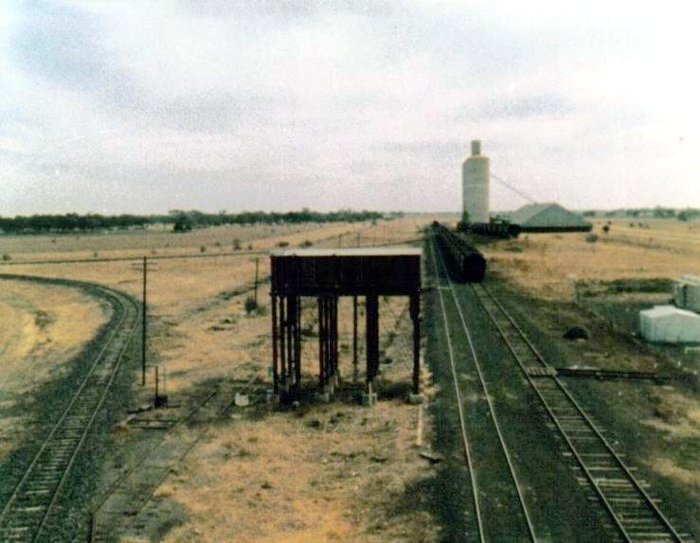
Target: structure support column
[334,338]
[372,320]
[321,342]
[297,341]
[275,369]
[283,346]
[415,317]
[355,368]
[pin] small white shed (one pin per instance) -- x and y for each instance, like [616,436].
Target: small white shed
[669,324]
[686,292]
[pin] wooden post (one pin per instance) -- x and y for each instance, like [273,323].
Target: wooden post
[283,350]
[372,320]
[297,340]
[155,401]
[275,369]
[355,365]
[143,323]
[91,527]
[257,261]
[415,316]
[321,343]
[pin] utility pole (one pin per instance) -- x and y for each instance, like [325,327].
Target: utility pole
[257,262]
[143,323]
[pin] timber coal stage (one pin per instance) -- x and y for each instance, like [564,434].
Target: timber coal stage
[327,274]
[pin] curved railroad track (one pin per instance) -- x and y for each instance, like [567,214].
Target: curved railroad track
[34,503]
[491,497]
[623,497]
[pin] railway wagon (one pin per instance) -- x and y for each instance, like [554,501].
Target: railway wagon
[464,261]
[494,229]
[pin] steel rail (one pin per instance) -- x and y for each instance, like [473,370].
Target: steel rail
[114,485]
[460,411]
[68,409]
[75,441]
[492,410]
[580,411]
[88,426]
[112,489]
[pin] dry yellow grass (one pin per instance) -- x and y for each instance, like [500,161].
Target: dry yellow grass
[287,481]
[670,469]
[199,331]
[548,265]
[42,327]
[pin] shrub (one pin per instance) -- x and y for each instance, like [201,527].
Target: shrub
[202,249]
[592,238]
[236,244]
[307,243]
[283,244]
[250,305]
[6,257]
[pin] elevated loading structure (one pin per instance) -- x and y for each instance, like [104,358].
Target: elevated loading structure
[476,172]
[327,274]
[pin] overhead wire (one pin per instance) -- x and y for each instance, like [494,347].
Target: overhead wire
[514,189]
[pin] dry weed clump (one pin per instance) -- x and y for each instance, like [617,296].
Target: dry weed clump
[326,474]
[669,468]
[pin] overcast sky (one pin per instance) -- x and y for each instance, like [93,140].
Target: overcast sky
[147,106]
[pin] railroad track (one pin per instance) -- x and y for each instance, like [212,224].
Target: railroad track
[34,503]
[119,510]
[624,498]
[492,499]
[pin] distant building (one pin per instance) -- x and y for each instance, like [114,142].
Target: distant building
[548,218]
[475,186]
[686,292]
[669,324]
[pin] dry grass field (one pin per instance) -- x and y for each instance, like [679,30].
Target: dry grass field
[42,327]
[339,478]
[549,265]
[337,472]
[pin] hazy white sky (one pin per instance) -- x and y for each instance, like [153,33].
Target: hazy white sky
[144,106]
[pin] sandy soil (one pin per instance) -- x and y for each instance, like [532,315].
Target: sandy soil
[199,331]
[43,327]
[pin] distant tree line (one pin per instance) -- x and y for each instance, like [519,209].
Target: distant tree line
[687,214]
[181,220]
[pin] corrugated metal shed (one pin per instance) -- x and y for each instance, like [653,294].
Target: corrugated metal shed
[669,324]
[686,292]
[549,217]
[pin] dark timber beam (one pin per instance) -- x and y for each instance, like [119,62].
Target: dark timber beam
[372,320]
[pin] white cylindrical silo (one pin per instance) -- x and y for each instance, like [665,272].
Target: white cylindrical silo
[475,186]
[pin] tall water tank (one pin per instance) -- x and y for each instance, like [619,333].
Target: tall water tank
[475,186]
